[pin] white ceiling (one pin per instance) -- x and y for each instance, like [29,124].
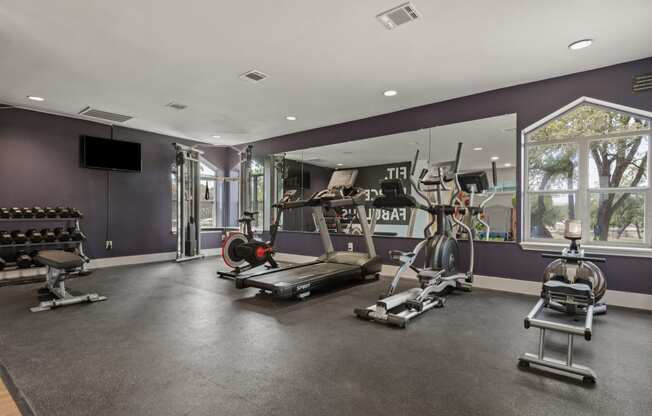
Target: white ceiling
[495,135]
[328,61]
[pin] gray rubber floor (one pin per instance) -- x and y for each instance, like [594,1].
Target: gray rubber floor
[175,340]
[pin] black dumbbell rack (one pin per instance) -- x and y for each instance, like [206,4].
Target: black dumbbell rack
[66,221]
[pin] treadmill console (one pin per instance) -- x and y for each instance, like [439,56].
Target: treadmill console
[343,179]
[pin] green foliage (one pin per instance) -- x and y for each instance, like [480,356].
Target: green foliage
[587,120]
[618,162]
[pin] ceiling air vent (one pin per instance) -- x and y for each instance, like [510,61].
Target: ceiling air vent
[642,83]
[105,115]
[176,105]
[398,15]
[253,76]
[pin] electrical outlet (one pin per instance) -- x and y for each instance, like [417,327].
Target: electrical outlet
[349,246]
[109,244]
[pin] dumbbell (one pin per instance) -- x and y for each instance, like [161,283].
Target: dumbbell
[75,213]
[62,234]
[23,261]
[34,236]
[76,234]
[50,212]
[16,212]
[28,213]
[63,212]
[3,264]
[48,235]
[33,256]
[5,213]
[19,237]
[38,212]
[5,237]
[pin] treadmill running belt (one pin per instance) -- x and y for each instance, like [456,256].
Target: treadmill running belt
[291,282]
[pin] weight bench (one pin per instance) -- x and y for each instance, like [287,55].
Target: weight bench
[59,264]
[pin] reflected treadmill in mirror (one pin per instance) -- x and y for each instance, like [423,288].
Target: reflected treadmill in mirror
[391,157]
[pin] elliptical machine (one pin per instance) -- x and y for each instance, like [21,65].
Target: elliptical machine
[243,251]
[440,275]
[572,285]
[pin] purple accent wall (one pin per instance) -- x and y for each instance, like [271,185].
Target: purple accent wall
[39,165]
[530,102]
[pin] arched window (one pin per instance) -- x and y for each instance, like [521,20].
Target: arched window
[589,161]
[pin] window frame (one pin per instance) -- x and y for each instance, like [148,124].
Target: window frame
[583,190]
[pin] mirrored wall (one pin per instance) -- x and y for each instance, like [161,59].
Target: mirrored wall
[309,170]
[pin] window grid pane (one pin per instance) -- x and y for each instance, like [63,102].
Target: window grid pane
[618,217]
[619,163]
[548,212]
[553,167]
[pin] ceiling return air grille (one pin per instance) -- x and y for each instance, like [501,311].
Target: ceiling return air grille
[398,16]
[253,76]
[104,115]
[642,83]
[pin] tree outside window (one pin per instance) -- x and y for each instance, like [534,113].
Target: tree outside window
[590,162]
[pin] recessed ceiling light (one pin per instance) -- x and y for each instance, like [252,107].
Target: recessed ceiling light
[216,136]
[477,148]
[290,118]
[580,44]
[340,164]
[494,158]
[35,98]
[508,165]
[390,93]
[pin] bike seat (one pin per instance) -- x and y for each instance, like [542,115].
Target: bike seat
[398,253]
[250,213]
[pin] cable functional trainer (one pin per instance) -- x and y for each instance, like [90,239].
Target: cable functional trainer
[188,186]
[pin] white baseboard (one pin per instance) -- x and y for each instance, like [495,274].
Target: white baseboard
[107,262]
[525,287]
[612,297]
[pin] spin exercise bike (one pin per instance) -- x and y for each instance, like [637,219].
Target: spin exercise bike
[572,285]
[440,275]
[243,251]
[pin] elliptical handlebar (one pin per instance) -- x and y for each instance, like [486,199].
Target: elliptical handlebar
[494,173]
[573,258]
[458,157]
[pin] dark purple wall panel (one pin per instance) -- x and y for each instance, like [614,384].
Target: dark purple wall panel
[39,165]
[530,102]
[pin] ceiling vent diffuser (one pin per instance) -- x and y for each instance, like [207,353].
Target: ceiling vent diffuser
[398,16]
[642,83]
[105,115]
[253,76]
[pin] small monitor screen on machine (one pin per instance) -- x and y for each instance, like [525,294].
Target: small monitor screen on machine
[343,179]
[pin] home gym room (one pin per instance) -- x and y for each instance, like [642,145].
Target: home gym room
[325,208]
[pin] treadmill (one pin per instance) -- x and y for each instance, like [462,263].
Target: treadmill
[333,267]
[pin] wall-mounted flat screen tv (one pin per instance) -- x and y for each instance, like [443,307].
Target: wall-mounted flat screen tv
[98,153]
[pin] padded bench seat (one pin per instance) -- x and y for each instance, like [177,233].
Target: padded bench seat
[59,259]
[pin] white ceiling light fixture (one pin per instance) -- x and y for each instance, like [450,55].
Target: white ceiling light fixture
[477,149]
[390,93]
[35,98]
[507,165]
[494,158]
[216,136]
[340,164]
[580,44]
[290,118]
